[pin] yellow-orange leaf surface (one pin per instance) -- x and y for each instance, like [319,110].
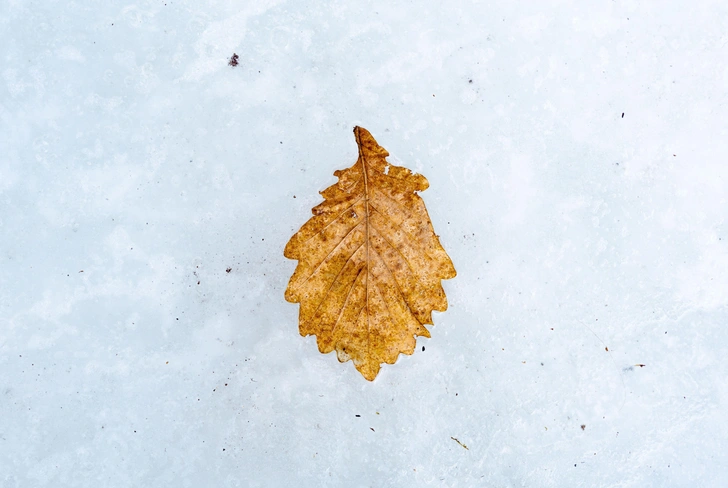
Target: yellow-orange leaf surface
[369,263]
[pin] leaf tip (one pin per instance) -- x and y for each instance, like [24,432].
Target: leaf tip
[368,144]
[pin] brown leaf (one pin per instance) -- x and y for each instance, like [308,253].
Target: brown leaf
[369,263]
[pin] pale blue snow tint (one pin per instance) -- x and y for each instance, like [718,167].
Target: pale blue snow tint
[137,167]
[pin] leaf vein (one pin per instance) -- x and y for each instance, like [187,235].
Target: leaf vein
[404,299]
[331,252]
[333,282]
[411,238]
[346,300]
[379,232]
[332,221]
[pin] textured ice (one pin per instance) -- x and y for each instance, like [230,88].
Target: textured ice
[577,158]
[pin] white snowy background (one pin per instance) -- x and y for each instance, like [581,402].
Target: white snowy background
[136,167]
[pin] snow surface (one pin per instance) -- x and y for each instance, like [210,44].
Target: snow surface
[136,167]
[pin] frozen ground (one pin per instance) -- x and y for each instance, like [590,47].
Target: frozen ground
[136,167]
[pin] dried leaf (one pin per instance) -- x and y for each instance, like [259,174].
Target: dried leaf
[369,263]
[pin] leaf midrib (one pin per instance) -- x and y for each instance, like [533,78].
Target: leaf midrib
[365,173]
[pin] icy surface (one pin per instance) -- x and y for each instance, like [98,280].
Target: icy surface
[577,154]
